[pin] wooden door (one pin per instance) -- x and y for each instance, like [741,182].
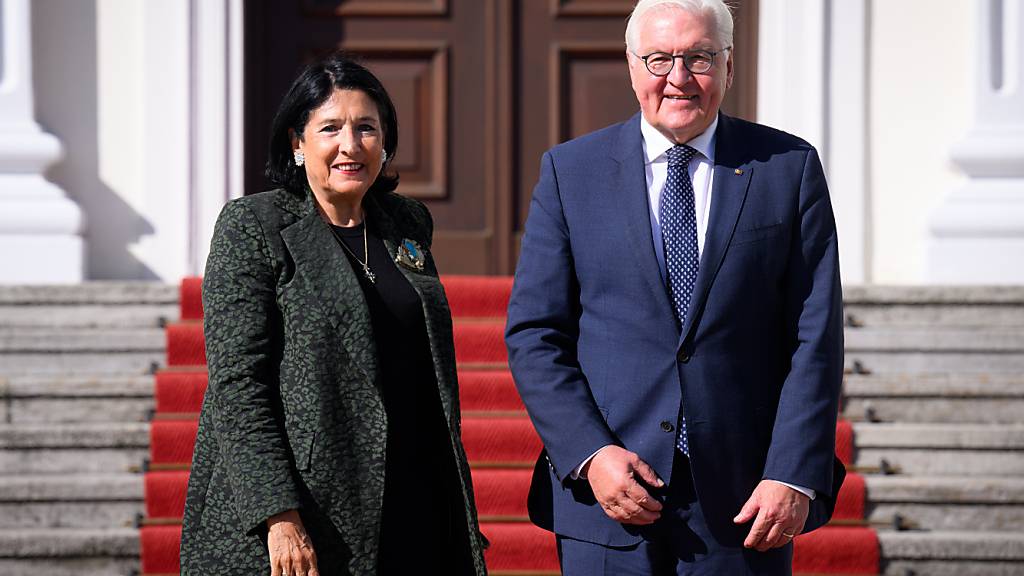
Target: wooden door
[482,88]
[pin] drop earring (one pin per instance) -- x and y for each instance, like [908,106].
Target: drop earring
[300,158]
[384,157]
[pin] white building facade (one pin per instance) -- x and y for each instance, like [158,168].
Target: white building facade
[917,108]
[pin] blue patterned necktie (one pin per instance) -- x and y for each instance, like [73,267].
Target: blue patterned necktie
[678,219]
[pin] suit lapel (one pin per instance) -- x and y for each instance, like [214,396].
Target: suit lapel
[328,279]
[631,183]
[732,179]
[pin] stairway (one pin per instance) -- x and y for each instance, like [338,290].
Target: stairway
[499,440]
[75,393]
[935,391]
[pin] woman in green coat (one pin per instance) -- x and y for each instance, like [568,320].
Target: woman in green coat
[329,440]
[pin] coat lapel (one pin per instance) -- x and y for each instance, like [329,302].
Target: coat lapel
[732,179]
[631,183]
[327,277]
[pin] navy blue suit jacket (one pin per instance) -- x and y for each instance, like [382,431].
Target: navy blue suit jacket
[597,356]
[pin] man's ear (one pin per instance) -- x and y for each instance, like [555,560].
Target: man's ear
[728,71]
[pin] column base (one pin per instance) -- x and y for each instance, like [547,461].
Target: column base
[41,259]
[977,234]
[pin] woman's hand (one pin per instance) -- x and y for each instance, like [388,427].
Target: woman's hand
[291,552]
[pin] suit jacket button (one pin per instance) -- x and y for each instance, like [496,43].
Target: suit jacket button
[683,357]
[667,426]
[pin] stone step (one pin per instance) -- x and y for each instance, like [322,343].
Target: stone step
[935,409]
[78,316]
[861,295]
[952,553]
[79,340]
[941,449]
[932,315]
[71,363]
[901,362]
[77,398]
[69,551]
[71,351]
[947,503]
[71,488]
[951,398]
[82,436]
[994,437]
[72,460]
[90,293]
[90,448]
[931,306]
[1005,340]
[956,489]
[947,384]
[70,500]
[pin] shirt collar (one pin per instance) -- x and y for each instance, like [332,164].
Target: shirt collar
[657,144]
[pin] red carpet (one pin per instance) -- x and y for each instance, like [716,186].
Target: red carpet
[850,504]
[478,296]
[160,547]
[165,493]
[837,550]
[179,392]
[192,299]
[172,441]
[844,442]
[499,440]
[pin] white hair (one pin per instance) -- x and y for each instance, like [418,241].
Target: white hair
[717,10]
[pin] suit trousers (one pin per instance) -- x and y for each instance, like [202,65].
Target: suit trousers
[678,543]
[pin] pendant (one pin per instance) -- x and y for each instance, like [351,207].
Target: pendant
[369,275]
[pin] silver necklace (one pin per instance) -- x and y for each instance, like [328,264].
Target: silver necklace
[366,254]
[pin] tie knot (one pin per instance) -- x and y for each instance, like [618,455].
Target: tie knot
[680,155]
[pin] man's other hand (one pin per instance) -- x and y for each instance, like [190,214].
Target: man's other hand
[779,513]
[612,474]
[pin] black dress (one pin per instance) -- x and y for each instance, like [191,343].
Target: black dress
[423,523]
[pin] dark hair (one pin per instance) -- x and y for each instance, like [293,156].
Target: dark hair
[313,87]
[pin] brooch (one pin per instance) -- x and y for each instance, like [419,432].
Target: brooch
[410,255]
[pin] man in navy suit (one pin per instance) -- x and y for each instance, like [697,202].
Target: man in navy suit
[675,326]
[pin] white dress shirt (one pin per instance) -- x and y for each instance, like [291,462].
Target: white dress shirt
[702,173]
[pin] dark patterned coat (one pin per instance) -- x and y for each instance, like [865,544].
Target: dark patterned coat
[293,416]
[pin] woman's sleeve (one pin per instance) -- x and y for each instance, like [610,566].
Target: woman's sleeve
[242,400]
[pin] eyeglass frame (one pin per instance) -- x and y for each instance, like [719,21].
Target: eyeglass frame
[673,57]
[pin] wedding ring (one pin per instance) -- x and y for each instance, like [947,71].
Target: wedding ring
[786,534]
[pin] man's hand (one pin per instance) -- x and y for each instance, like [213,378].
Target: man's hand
[780,511]
[291,552]
[612,475]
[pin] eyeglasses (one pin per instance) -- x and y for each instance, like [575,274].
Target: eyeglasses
[696,61]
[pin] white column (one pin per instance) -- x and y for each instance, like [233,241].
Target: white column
[848,166]
[812,82]
[40,227]
[977,234]
[791,79]
[217,63]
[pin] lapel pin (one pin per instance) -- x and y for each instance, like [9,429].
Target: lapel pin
[410,255]
[739,172]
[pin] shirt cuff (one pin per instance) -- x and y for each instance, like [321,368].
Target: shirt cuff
[576,472]
[810,493]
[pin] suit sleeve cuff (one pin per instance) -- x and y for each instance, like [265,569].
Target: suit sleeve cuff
[576,473]
[809,492]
